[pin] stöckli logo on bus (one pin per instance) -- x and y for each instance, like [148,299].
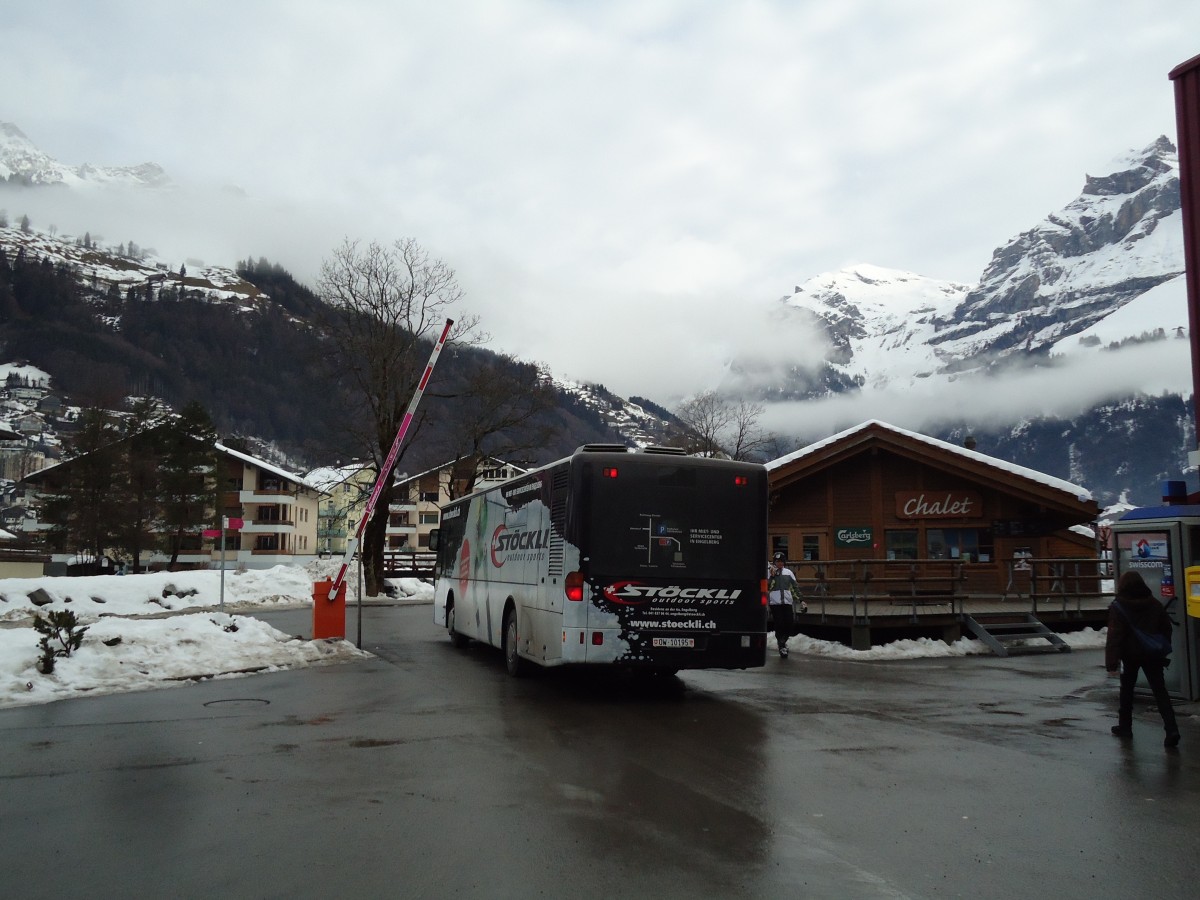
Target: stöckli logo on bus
[506,543]
[635,593]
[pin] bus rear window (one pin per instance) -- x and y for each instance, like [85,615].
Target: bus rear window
[681,520]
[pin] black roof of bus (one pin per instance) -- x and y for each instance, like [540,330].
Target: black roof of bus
[616,453]
[619,451]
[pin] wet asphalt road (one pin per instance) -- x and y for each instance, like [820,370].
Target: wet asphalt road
[427,772]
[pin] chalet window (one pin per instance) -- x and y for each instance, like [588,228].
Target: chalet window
[812,548]
[429,518]
[397,520]
[429,496]
[901,543]
[967,544]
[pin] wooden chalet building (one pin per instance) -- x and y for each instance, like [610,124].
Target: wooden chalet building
[878,510]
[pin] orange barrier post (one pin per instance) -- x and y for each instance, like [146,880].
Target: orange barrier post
[329,613]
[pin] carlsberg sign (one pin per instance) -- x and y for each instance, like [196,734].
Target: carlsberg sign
[853,536]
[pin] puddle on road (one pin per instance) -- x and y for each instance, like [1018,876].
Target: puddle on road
[238,702]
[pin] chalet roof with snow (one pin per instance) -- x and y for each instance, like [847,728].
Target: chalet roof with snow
[874,434]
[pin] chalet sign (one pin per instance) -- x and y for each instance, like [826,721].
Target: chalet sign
[938,505]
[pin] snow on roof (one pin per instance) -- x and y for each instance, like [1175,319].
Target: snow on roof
[404,479]
[1079,493]
[326,478]
[266,466]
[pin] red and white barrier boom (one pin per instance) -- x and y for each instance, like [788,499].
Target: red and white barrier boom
[386,470]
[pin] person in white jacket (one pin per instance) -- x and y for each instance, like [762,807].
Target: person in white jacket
[780,582]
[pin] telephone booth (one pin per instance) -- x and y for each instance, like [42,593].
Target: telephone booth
[1162,543]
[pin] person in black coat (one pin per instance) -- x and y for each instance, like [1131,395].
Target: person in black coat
[1123,652]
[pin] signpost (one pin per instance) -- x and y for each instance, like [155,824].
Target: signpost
[226,522]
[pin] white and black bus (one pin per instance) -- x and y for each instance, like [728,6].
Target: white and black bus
[649,559]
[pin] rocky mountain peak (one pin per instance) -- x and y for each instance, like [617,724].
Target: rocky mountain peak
[1118,239]
[21,160]
[1158,158]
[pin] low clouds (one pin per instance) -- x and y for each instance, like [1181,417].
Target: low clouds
[1063,387]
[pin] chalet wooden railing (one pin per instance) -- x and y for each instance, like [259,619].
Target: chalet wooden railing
[914,582]
[1059,581]
[922,582]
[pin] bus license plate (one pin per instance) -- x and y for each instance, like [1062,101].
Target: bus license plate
[675,642]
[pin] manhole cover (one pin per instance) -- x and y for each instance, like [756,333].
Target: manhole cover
[238,701]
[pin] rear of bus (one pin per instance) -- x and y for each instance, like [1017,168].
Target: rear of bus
[672,554]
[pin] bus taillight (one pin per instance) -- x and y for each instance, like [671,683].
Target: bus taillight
[763,591]
[609,471]
[574,586]
[741,480]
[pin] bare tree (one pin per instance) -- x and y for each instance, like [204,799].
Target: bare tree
[503,408]
[746,439]
[386,305]
[717,427]
[707,417]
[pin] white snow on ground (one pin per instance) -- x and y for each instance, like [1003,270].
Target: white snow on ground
[921,648]
[163,629]
[169,628]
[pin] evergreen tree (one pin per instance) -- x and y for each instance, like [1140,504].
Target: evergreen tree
[141,500]
[85,503]
[187,478]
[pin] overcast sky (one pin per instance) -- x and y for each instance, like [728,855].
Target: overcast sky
[625,188]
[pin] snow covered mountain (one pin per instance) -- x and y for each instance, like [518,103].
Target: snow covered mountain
[1097,272]
[880,324]
[1121,237]
[20,160]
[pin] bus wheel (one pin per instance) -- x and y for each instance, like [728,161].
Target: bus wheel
[512,660]
[456,639]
